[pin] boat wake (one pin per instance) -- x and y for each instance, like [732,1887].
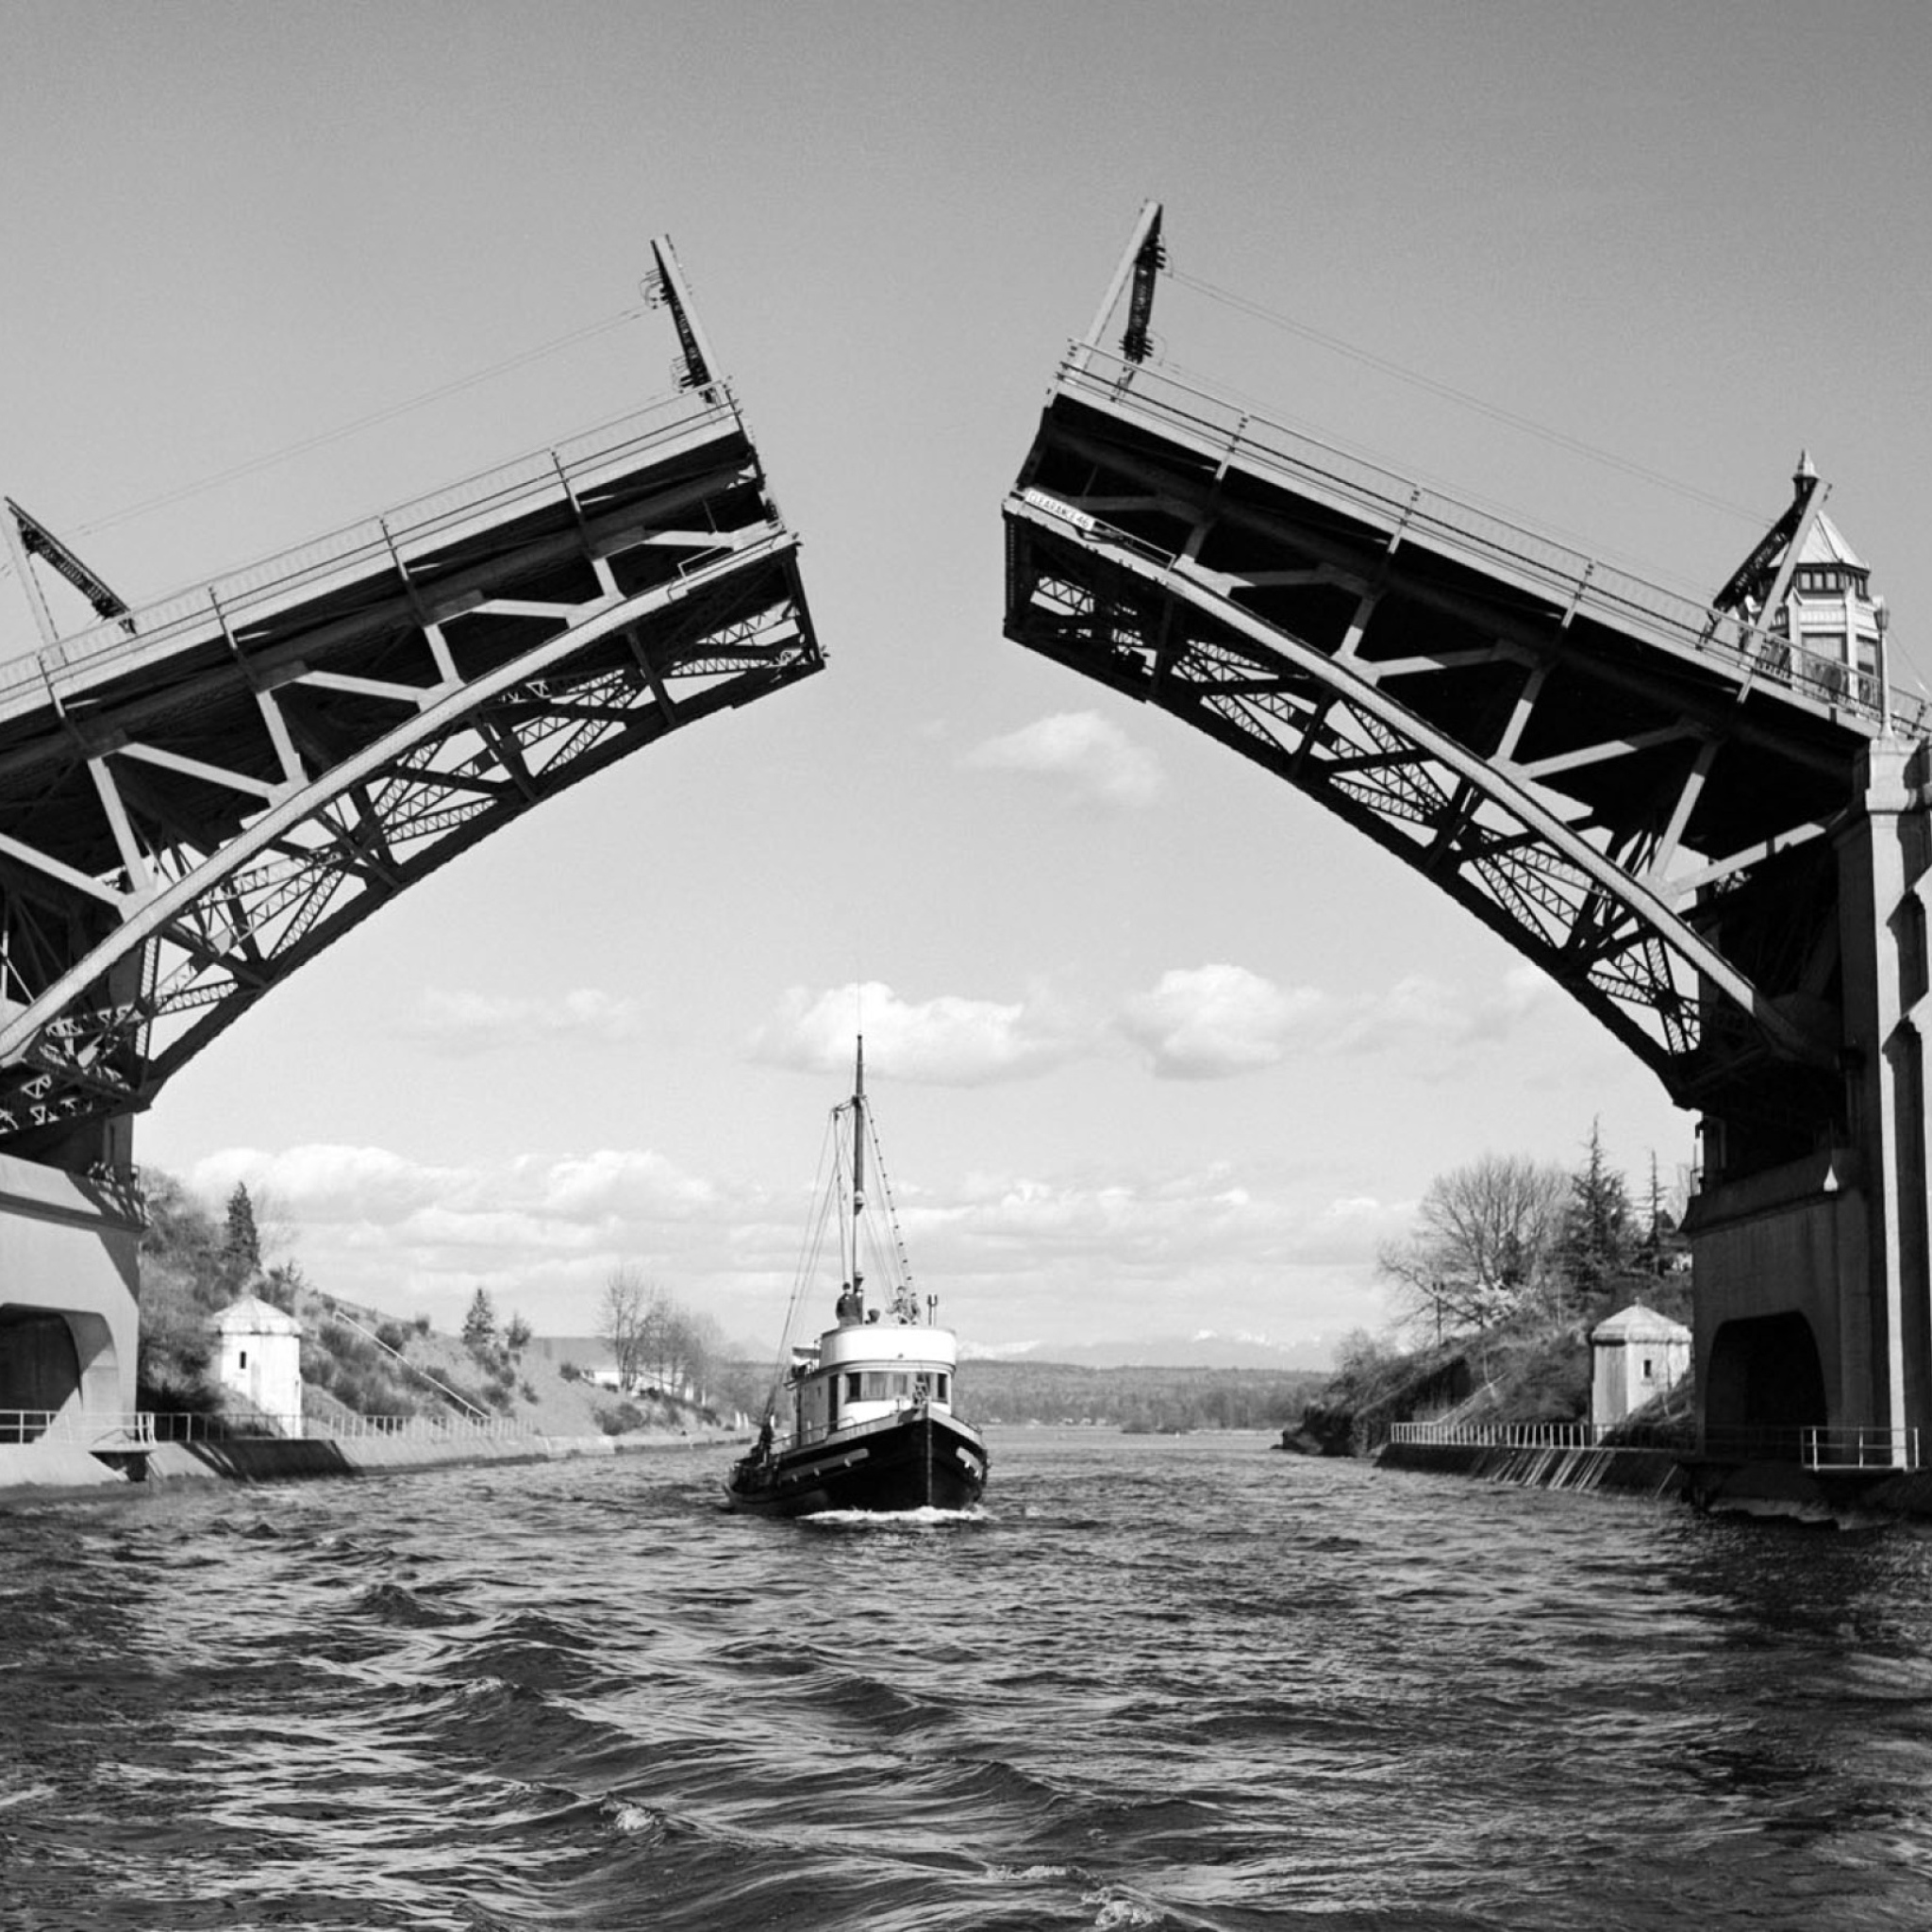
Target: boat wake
[926,1517]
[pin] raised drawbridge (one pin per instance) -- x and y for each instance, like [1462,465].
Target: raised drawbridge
[198,796]
[1659,802]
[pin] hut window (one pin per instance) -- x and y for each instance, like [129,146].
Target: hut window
[1647,1367]
[245,1358]
[852,1388]
[945,1378]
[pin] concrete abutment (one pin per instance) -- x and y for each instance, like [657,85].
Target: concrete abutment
[69,1301]
[1814,1285]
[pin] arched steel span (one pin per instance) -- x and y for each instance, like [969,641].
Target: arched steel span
[1636,794]
[189,813]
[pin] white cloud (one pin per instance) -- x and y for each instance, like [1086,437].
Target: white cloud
[946,1041]
[1058,1255]
[329,1183]
[624,1182]
[1093,756]
[457,1022]
[1206,1023]
[1438,1027]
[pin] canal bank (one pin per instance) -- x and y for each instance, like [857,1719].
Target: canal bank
[1780,1490]
[44,1470]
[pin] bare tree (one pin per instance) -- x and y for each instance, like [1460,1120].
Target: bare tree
[622,1321]
[1485,1243]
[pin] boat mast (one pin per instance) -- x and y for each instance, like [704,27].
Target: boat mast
[859,1135]
[857,1164]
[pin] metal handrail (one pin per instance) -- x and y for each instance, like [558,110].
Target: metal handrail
[1230,430]
[1870,1448]
[144,1429]
[1821,1449]
[577,463]
[1569,1435]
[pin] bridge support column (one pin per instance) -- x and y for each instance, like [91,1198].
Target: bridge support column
[69,1297]
[1883,855]
[1814,1281]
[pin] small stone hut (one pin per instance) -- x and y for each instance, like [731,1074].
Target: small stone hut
[1636,1354]
[260,1361]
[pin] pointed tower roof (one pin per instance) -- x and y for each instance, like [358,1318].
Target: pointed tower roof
[251,1315]
[1825,544]
[1639,1323]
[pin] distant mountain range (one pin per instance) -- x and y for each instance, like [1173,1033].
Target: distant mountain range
[1205,1350]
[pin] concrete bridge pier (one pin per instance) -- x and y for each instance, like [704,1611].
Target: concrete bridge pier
[1814,1282]
[69,1309]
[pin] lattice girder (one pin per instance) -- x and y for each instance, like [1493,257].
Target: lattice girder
[1576,788]
[188,817]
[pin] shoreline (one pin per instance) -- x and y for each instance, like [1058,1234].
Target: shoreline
[1769,1491]
[51,1471]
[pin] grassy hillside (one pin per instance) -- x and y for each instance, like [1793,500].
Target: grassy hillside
[1527,1369]
[355,1360]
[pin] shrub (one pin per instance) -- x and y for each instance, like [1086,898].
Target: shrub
[620,1419]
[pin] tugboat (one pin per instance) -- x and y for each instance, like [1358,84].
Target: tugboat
[862,1419]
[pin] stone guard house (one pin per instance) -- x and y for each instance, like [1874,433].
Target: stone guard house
[1636,1354]
[259,1364]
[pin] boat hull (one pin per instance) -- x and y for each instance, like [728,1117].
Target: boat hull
[924,1460]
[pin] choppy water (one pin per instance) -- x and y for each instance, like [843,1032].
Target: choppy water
[1156,1682]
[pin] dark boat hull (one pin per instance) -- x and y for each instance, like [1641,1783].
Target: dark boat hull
[922,1461]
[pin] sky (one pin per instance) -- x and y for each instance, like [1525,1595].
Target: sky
[1156,1046]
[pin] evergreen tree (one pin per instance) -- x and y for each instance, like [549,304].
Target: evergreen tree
[479,1325]
[1597,1237]
[242,1244]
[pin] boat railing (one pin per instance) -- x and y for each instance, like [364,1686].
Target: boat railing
[873,1426]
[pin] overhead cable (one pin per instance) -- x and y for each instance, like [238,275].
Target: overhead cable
[344,430]
[1560,439]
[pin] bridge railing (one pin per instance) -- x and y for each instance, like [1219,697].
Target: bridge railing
[144,1429]
[1821,1449]
[580,463]
[1570,1435]
[1855,1449]
[1631,603]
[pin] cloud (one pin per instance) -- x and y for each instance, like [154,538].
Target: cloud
[945,1041]
[457,1021]
[1439,1027]
[1092,756]
[1207,1023]
[1072,1253]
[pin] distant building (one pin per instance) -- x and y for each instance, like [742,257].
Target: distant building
[1636,1354]
[260,1361]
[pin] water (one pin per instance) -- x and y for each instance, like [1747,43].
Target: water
[1156,1682]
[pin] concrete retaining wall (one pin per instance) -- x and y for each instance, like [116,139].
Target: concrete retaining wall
[54,1466]
[1775,1490]
[1627,1472]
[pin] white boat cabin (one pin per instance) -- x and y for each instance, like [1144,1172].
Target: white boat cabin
[870,1371]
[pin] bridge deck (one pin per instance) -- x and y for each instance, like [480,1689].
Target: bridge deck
[1597,767]
[350,606]
[1775,706]
[196,798]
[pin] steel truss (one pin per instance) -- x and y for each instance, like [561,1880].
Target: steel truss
[189,816]
[1605,805]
